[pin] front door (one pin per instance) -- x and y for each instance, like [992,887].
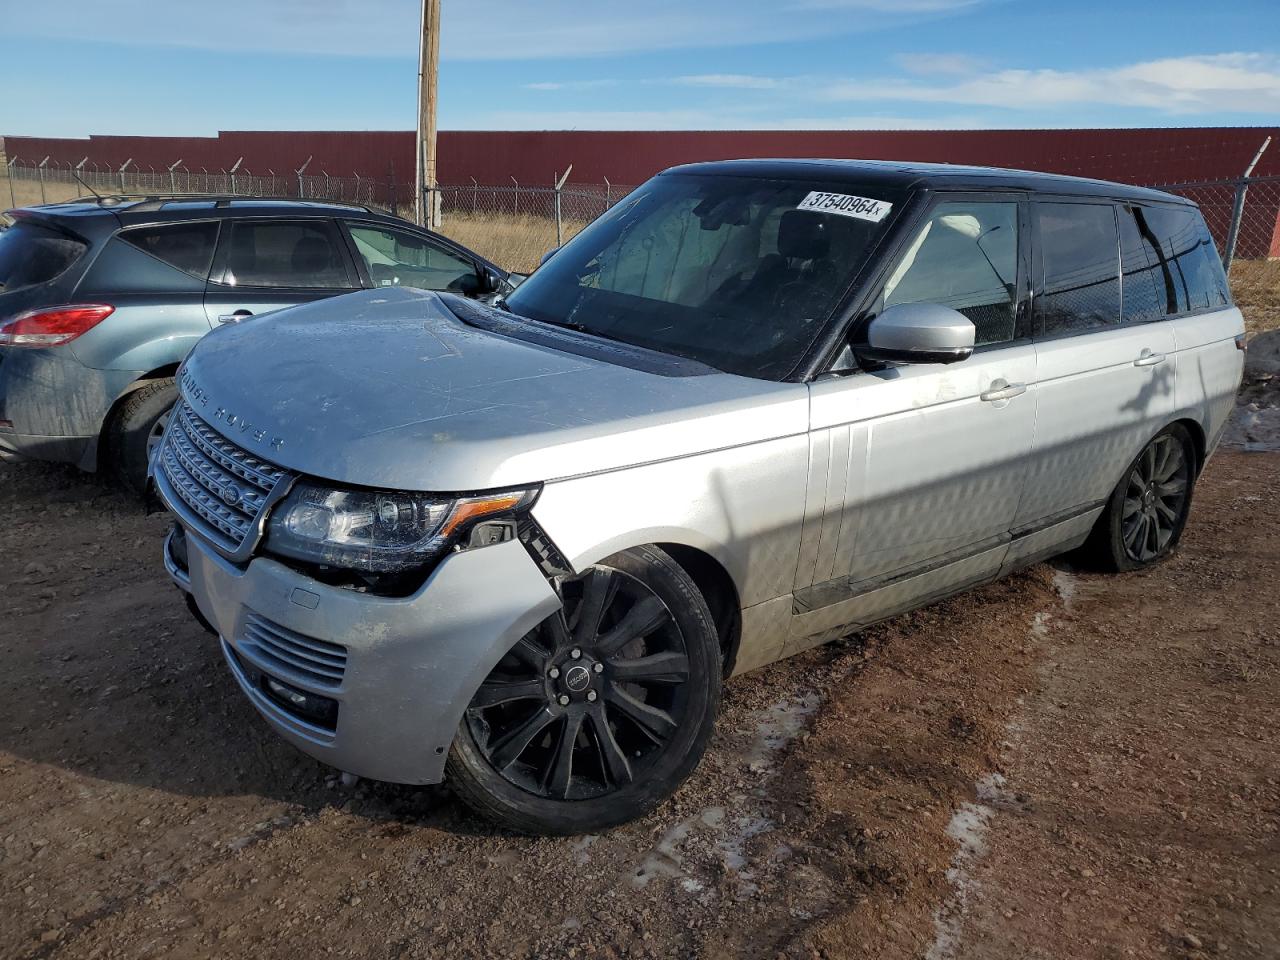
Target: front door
[916,471]
[267,264]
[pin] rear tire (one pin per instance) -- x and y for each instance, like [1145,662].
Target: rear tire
[602,711]
[1147,512]
[136,429]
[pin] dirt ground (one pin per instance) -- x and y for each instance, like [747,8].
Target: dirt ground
[1060,765]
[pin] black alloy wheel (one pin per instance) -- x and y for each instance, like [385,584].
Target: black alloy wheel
[599,712]
[1156,499]
[1146,514]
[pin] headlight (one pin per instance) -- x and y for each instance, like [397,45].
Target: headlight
[380,531]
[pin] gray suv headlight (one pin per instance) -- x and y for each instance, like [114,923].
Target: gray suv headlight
[381,531]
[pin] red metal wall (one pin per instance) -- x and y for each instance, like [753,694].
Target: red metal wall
[1154,155]
[1145,156]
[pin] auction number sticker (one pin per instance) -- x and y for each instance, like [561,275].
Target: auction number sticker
[861,208]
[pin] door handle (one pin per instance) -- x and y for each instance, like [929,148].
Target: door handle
[235,317]
[1148,359]
[1002,390]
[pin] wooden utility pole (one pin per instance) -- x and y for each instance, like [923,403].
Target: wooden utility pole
[426,205]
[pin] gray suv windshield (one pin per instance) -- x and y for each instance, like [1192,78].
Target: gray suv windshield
[737,273]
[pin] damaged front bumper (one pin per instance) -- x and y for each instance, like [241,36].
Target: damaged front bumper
[375,686]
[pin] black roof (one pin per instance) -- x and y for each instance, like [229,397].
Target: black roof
[937,176]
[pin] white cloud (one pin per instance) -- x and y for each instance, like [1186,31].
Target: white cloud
[947,63]
[1234,82]
[551,85]
[732,81]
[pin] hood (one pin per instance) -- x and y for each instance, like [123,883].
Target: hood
[389,388]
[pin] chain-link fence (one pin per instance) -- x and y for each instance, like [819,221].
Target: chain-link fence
[516,223]
[1243,214]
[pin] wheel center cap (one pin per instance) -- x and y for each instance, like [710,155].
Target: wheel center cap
[577,678]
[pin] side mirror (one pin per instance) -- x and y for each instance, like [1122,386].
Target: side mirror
[491,280]
[548,255]
[918,333]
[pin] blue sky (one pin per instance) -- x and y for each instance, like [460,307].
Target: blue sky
[76,67]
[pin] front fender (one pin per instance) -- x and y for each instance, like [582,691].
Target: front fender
[743,506]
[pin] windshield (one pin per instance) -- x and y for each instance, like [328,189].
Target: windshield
[738,273]
[31,254]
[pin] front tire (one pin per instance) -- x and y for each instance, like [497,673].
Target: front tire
[602,711]
[1147,512]
[136,429]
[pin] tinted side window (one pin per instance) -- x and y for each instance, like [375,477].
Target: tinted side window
[187,246]
[31,254]
[965,257]
[1143,282]
[273,253]
[1193,271]
[1079,250]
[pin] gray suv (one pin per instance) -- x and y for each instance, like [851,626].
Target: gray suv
[100,301]
[756,406]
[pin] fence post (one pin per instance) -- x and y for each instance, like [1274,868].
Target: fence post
[300,171]
[608,191]
[559,186]
[40,174]
[13,200]
[1237,208]
[173,176]
[475,195]
[123,167]
[515,206]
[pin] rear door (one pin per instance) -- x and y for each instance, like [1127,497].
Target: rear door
[1188,273]
[266,264]
[1105,359]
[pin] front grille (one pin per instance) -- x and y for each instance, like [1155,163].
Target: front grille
[224,488]
[278,649]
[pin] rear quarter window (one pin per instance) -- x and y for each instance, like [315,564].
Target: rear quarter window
[1190,268]
[186,246]
[31,254]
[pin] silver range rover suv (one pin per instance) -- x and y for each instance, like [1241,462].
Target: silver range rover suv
[755,406]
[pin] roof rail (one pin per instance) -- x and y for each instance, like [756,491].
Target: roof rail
[154,201]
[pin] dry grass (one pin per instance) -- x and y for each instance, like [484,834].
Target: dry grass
[516,243]
[1255,285]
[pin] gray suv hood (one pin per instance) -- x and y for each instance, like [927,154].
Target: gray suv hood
[388,388]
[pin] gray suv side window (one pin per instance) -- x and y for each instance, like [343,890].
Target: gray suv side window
[1080,253]
[284,253]
[186,246]
[965,257]
[396,258]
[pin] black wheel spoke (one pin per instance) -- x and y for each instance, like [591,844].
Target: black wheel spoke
[666,667]
[599,588]
[530,653]
[507,748]
[1171,487]
[559,771]
[1171,465]
[613,760]
[640,621]
[493,692]
[557,630]
[1166,511]
[1149,462]
[657,724]
[1132,530]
